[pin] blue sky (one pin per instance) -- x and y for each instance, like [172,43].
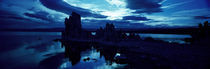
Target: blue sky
[95,13]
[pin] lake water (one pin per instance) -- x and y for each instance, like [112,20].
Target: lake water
[24,50]
[171,38]
[32,50]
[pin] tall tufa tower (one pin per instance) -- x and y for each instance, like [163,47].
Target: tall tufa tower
[73,27]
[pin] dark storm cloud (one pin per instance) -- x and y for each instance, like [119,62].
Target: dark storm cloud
[61,6]
[208,3]
[149,11]
[135,18]
[144,6]
[201,17]
[2,12]
[14,17]
[104,21]
[27,25]
[16,22]
[8,15]
[11,20]
[38,15]
[88,23]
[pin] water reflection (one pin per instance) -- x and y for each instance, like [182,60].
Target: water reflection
[29,51]
[87,55]
[82,55]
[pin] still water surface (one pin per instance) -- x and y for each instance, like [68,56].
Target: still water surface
[32,50]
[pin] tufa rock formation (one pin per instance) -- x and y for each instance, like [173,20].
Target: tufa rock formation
[73,31]
[73,28]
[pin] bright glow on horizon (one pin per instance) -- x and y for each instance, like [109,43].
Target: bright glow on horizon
[118,3]
[114,9]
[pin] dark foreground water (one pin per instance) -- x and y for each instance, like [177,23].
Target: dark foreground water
[37,50]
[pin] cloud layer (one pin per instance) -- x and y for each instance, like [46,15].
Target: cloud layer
[60,5]
[135,18]
[144,6]
[96,13]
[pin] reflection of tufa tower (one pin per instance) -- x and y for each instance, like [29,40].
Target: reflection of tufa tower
[73,27]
